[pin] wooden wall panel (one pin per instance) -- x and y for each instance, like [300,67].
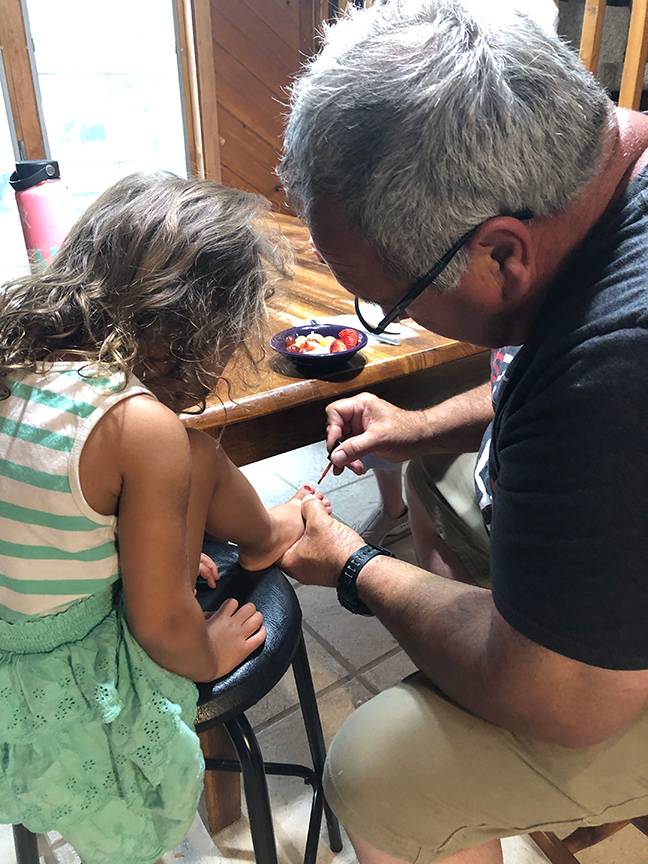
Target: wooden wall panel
[258,46]
[23,101]
[243,152]
[592,34]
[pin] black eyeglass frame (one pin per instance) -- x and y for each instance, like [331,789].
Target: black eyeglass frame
[425,281]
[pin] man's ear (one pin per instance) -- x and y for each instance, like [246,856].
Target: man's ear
[507,243]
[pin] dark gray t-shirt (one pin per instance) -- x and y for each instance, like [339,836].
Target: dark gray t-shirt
[569,455]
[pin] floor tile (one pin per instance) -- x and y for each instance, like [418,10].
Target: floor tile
[351,503]
[285,740]
[234,844]
[306,465]
[270,488]
[522,850]
[7,851]
[352,639]
[388,672]
[197,848]
[325,670]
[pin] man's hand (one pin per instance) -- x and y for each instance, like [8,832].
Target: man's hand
[318,557]
[367,424]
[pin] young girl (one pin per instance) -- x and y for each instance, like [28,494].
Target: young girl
[104,503]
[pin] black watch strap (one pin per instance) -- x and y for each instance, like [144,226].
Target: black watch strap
[346,588]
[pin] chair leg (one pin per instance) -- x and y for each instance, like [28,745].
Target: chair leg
[26,845]
[313,725]
[256,789]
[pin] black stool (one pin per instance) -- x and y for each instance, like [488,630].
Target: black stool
[224,702]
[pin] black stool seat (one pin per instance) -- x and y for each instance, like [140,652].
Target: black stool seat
[273,595]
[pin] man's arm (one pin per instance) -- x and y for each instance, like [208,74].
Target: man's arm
[457,638]
[367,424]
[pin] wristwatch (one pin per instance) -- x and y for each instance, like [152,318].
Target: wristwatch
[346,588]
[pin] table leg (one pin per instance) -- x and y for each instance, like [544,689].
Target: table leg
[222,788]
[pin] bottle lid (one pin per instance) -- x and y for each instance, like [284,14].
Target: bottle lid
[31,173]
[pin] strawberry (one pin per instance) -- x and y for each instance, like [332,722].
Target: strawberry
[337,346]
[349,337]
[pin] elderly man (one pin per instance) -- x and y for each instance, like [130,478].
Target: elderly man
[463,133]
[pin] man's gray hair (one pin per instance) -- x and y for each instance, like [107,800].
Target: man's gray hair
[424,118]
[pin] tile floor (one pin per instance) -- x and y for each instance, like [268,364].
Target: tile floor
[351,660]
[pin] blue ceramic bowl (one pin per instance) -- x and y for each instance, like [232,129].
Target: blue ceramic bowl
[316,363]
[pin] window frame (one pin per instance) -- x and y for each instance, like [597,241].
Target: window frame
[197,91]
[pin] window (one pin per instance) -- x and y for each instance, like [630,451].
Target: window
[108,79]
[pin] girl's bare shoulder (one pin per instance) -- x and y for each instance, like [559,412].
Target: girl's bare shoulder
[138,436]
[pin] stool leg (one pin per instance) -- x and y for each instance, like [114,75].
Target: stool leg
[313,725]
[256,789]
[26,845]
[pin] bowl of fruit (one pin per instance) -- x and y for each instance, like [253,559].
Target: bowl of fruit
[319,347]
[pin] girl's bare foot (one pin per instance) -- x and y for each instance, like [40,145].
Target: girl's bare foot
[287,528]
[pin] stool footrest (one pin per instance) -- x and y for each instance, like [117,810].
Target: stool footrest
[284,769]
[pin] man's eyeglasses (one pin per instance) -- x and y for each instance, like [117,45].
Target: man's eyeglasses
[428,279]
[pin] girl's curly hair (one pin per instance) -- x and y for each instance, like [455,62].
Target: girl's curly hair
[190,262]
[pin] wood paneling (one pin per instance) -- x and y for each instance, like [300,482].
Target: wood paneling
[257,47]
[242,150]
[634,66]
[207,88]
[264,39]
[592,34]
[20,80]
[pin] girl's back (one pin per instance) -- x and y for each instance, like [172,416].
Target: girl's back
[97,738]
[54,548]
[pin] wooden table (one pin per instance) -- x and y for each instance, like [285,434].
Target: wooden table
[283,409]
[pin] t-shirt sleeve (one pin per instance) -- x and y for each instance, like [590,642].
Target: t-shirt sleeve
[569,534]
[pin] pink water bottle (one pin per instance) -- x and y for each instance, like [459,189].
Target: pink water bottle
[45,208]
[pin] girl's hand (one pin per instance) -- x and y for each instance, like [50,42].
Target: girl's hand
[235,633]
[208,570]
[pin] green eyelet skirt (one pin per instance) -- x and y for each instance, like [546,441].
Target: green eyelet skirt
[97,741]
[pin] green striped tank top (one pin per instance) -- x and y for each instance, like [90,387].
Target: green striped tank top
[54,548]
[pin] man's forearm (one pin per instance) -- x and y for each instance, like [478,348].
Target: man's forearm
[443,625]
[450,630]
[458,424]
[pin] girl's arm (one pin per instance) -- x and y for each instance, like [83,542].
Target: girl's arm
[235,512]
[143,447]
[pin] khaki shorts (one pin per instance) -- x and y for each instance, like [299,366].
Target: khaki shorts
[420,778]
[446,488]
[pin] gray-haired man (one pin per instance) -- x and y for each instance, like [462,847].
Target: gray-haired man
[462,132]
